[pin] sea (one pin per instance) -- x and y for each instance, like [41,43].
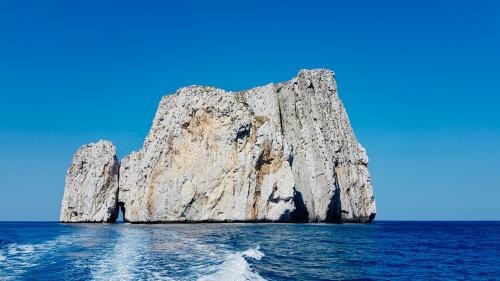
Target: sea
[383,250]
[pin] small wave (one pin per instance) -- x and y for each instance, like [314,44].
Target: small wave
[254,253]
[235,267]
[24,249]
[16,259]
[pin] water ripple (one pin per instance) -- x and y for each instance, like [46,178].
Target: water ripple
[398,250]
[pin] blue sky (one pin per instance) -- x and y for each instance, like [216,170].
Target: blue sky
[419,79]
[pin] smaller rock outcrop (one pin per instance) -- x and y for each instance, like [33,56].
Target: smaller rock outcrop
[91,190]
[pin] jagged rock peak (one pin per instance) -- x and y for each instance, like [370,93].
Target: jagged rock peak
[91,189]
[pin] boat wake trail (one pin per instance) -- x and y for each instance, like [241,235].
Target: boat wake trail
[123,252]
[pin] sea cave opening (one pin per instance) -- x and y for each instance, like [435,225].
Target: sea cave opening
[121,213]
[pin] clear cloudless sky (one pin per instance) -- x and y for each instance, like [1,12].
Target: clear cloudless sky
[420,81]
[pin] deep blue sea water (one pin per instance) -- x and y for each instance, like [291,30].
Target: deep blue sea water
[378,251]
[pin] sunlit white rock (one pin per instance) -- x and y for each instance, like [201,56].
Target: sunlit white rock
[281,152]
[91,188]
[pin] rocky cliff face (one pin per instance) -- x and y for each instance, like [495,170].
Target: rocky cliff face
[208,157]
[91,191]
[281,152]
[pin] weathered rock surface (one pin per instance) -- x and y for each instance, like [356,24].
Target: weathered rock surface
[91,190]
[208,158]
[330,167]
[282,152]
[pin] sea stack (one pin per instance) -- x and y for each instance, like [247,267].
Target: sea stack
[278,153]
[91,191]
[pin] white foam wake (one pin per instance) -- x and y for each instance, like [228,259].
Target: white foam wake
[235,267]
[118,262]
[17,258]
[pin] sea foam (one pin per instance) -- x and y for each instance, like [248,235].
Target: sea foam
[235,267]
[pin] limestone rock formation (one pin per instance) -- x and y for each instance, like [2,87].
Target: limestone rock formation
[91,190]
[281,152]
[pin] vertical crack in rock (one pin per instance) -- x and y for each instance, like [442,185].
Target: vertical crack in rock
[280,118]
[283,152]
[116,210]
[334,211]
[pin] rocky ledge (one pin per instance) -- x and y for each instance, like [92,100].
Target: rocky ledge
[277,153]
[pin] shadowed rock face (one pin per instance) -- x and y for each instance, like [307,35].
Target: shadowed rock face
[91,191]
[281,152]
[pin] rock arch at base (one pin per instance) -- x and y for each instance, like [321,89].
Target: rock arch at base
[121,210]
